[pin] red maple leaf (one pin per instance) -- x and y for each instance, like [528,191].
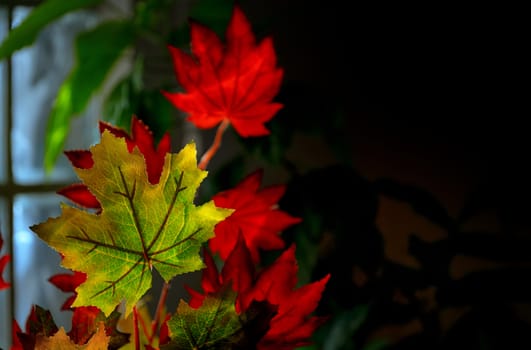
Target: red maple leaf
[141,137]
[3,263]
[256,215]
[85,319]
[68,282]
[234,82]
[293,325]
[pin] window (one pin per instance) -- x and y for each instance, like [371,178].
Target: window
[29,81]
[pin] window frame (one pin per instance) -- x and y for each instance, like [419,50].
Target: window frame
[9,187]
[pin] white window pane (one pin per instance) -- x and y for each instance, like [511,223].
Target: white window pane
[5,322]
[38,71]
[34,261]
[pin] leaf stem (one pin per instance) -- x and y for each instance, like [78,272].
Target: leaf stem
[135,327]
[205,159]
[155,324]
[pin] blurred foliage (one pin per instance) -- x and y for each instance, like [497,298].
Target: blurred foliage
[84,80]
[26,33]
[368,294]
[151,21]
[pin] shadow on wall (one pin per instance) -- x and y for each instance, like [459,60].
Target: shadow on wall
[407,139]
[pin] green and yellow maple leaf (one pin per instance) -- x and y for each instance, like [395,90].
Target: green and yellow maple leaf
[140,226]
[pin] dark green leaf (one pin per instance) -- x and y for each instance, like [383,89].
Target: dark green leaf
[213,13]
[119,105]
[216,325]
[207,327]
[96,52]
[377,344]
[26,33]
[344,325]
[156,112]
[124,99]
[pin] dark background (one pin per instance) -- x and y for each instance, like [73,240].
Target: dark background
[432,93]
[431,96]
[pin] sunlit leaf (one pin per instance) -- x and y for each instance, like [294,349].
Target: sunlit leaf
[235,81]
[141,225]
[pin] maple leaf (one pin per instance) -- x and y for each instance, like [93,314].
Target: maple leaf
[39,322]
[141,137]
[292,326]
[234,82]
[3,263]
[216,324]
[68,282]
[85,319]
[256,215]
[61,341]
[203,328]
[141,225]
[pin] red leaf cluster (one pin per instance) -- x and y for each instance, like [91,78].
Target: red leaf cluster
[84,319]
[256,216]
[3,263]
[67,283]
[39,321]
[235,81]
[140,137]
[293,325]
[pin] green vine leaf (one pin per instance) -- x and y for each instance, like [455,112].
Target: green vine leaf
[140,227]
[204,328]
[216,324]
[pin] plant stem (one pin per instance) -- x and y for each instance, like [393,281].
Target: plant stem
[135,327]
[158,313]
[215,145]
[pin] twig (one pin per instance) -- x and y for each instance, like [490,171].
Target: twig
[158,313]
[135,327]
[215,145]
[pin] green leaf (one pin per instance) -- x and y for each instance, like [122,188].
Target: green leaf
[96,51]
[213,13]
[207,327]
[26,33]
[345,324]
[124,99]
[377,344]
[217,325]
[156,111]
[140,227]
